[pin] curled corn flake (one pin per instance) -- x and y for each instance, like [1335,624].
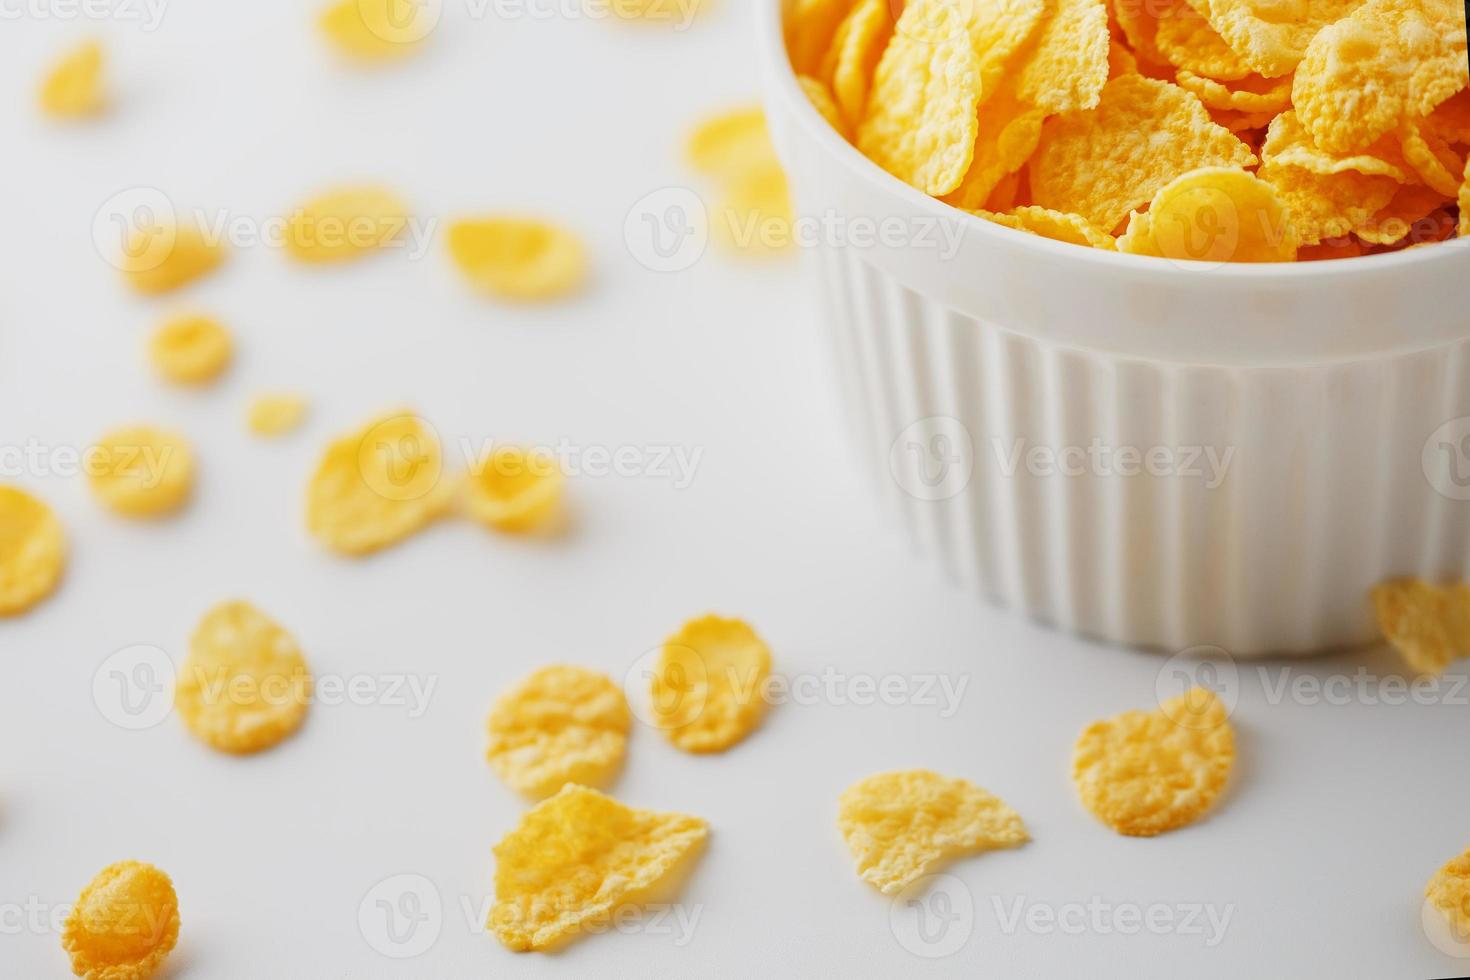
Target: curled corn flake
[1144,773]
[731,144]
[518,259]
[346,224]
[1067,65]
[810,31]
[275,415]
[709,686]
[1252,94]
[853,57]
[159,258]
[32,551]
[899,825]
[124,924]
[142,471]
[190,350]
[244,685]
[73,86]
[1271,36]
[1411,204]
[1249,126]
[1010,130]
[1103,163]
[1324,206]
[1289,144]
[1387,61]
[1428,625]
[1449,892]
[820,96]
[378,485]
[1214,214]
[376,30]
[560,725]
[514,489]
[1189,43]
[1072,228]
[1435,163]
[578,857]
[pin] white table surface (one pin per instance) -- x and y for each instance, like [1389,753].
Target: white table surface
[1338,814]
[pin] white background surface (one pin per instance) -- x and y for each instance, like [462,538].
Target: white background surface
[1338,814]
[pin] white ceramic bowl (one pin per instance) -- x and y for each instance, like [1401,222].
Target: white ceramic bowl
[1043,415]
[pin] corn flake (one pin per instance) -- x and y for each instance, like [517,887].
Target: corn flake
[1144,773]
[1103,163]
[376,30]
[1324,206]
[1009,133]
[853,57]
[811,31]
[1067,65]
[560,725]
[345,224]
[1449,892]
[1071,228]
[820,96]
[1189,43]
[1252,94]
[124,924]
[1411,204]
[731,144]
[1428,625]
[73,87]
[754,213]
[244,685]
[1451,120]
[191,350]
[1272,36]
[1216,214]
[1435,163]
[514,489]
[160,258]
[142,471]
[32,551]
[518,259]
[1289,144]
[378,485]
[899,825]
[275,415]
[709,686]
[578,857]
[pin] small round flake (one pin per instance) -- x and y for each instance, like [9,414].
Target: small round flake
[244,685]
[514,490]
[73,87]
[344,225]
[191,350]
[560,725]
[709,685]
[271,416]
[368,31]
[142,471]
[164,257]
[519,259]
[1449,892]
[32,551]
[124,924]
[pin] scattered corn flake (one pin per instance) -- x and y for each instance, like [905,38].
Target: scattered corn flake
[1411,204]
[1324,206]
[1271,36]
[1144,773]
[1385,62]
[519,259]
[1215,214]
[709,686]
[1449,892]
[244,685]
[820,96]
[754,214]
[578,857]
[514,489]
[811,30]
[899,825]
[275,415]
[1071,228]
[32,551]
[191,349]
[560,725]
[1066,65]
[1289,144]
[853,57]
[141,471]
[1103,163]
[1252,94]
[124,924]
[376,30]
[1009,133]
[731,144]
[344,224]
[1432,159]
[162,257]
[1189,43]
[378,485]
[73,86]
[1427,624]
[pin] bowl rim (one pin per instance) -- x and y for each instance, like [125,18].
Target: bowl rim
[772,40]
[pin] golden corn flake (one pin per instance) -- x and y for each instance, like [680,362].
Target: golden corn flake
[1121,60]
[682,11]
[1432,159]
[899,825]
[820,96]
[1451,120]
[378,485]
[811,30]
[1324,206]
[514,489]
[1009,133]
[709,686]
[518,259]
[1189,43]
[73,87]
[1449,891]
[124,924]
[731,144]
[244,685]
[1387,61]
[1411,204]
[1271,36]
[164,257]
[1055,225]
[1289,144]
[1215,214]
[141,471]
[1103,163]
[578,857]
[375,30]
[1428,625]
[32,551]
[190,350]
[1067,65]
[275,415]
[1252,94]
[343,225]
[853,57]
[1139,21]
[1144,773]
[560,725]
